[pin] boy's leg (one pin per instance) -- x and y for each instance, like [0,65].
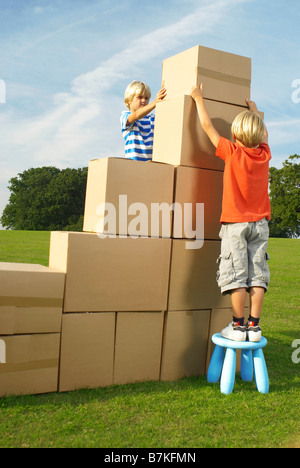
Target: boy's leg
[257,295]
[236,330]
[259,273]
[238,300]
[233,275]
[256,301]
[259,276]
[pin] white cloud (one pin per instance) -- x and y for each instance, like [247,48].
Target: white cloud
[149,46]
[284,132]
[46,37]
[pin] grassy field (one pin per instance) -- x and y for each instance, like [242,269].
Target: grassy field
[189,413]
[25,247]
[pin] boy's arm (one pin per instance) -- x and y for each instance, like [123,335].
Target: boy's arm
[252,106]
[143,111]
[206,123]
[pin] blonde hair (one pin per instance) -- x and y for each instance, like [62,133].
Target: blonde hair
[134,88]
[248,128]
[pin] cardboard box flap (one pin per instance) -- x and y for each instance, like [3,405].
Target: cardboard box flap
[21,283]
[28,320]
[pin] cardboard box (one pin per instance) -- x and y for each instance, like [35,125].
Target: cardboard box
[185,344]
[179,138]
[121,193]
[193,187]
[29,320]
[226,77]
[193,284]
[87,351]
[138,346]
[27,285]
[29,364]
[112,274]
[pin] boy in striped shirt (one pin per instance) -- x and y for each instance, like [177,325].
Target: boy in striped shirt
[136,123]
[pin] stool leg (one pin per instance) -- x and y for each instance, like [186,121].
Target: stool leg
[246,365]
[228,372]
[260,371]
[216,364]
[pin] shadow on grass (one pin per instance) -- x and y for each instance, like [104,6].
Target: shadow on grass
[102,394]
[283,376]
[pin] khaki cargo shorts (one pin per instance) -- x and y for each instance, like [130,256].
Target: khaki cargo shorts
[243,259]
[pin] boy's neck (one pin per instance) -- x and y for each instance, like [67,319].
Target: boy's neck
[244,146]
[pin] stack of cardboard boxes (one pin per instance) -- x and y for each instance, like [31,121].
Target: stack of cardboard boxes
[141,298]
[196,309]
[31,298]
[134,296]
[116,287]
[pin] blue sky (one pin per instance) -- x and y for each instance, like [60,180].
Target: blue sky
[66,64]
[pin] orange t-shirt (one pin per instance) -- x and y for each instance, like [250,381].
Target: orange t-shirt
[245,182]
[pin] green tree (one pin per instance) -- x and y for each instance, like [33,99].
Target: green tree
[285,199]
[46,198]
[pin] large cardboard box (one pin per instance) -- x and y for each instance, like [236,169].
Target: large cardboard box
[29,320]
[27,285]
[138,346]
[112,274]
[185,344]
[195,187]
[226,77]
[179,138]
[29,364]
[121,196]
[87,351]
[193,284]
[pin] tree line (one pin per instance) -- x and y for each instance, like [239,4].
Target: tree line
[51,199]
[46,199]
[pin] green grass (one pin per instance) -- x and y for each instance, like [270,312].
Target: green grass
[189,413]
[25,247]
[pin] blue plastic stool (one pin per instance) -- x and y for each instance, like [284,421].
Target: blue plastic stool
[225,366]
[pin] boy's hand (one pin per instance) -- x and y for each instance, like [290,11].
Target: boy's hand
[142,111]
[206,123]
[197,91]
[162,93]
[251,105]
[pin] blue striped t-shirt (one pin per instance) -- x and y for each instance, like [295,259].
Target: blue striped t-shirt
[138,137]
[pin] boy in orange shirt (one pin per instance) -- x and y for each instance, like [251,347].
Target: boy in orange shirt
[245,214]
